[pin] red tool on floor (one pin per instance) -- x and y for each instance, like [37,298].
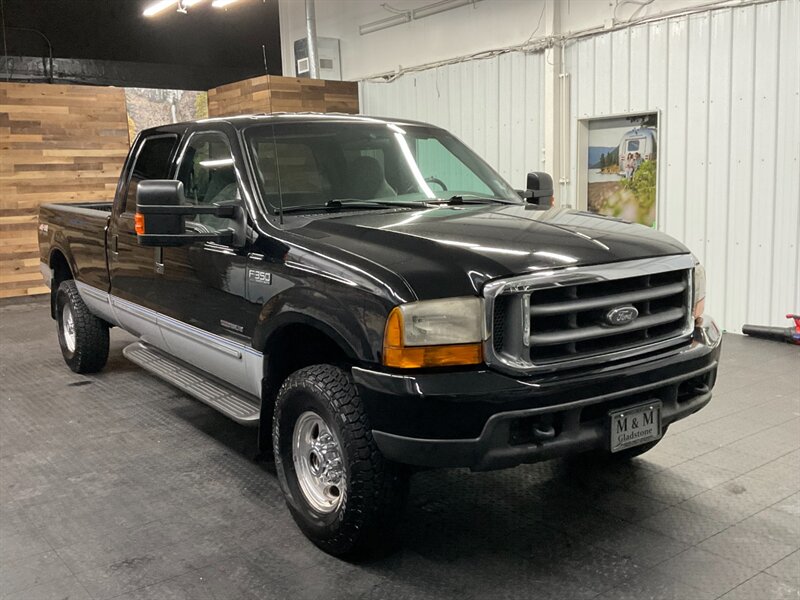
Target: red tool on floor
[790,335]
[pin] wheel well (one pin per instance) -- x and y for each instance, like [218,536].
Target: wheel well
[61,272]
[294,347]
[291,348]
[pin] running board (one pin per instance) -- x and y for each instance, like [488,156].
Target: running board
[237,405]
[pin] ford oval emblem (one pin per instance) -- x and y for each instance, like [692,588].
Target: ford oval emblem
[621,315]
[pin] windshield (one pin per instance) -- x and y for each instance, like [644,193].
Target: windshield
[317,163]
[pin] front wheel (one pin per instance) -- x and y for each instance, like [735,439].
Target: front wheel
[82,336]
[342,493]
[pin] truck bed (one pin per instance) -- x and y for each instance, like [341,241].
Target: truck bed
[78,231]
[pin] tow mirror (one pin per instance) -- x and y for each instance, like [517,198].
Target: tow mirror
[161,213]
[540,189]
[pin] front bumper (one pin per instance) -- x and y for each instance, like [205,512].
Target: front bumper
[487,420]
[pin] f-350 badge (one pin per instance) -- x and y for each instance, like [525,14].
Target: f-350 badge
[257,276]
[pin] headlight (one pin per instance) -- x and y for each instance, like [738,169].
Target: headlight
[434,333]
[699,291]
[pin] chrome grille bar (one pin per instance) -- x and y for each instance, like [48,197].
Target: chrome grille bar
[608,301]
[585,333]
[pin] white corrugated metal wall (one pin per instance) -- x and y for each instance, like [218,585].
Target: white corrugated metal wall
[727,85]
[494,105]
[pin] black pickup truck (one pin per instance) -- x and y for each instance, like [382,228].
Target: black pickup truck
[375,298]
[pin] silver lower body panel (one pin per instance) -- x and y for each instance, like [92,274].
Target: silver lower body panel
[240,407]
[236,364]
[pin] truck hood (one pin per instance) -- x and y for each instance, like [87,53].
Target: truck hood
[453,250]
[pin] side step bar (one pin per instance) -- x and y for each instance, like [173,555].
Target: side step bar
[237,405]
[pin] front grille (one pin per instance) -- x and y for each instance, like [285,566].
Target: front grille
[563,321]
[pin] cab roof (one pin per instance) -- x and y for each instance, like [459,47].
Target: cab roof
[241,121]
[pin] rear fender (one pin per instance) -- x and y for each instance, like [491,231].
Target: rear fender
[57,257]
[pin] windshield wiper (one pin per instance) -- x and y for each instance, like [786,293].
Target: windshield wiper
[354,204]
[468,199]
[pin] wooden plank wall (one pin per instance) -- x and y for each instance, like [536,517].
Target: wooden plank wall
[58,143]
[271,93]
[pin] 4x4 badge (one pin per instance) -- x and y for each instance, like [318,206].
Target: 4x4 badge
[621,315]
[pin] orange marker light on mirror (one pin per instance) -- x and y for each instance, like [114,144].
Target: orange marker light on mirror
[138,223]
[397,354]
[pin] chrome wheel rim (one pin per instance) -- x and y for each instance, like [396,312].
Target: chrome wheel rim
[317,457]
[68,327]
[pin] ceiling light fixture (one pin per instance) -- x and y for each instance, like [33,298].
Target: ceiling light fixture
[184,5]
[158,7]
[438,7]
[222,3]
[385,23]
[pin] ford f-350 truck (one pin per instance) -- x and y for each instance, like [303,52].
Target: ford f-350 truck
[375,298]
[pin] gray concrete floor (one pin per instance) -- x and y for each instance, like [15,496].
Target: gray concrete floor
[119,486]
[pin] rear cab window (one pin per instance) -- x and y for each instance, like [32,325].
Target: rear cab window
[153,161]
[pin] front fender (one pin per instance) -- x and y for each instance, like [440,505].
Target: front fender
[356,327]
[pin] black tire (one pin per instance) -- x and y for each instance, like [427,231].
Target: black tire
[375,490]
[89,351]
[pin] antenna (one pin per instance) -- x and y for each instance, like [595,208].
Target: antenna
[278,171]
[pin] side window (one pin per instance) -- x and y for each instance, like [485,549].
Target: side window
[152,162]
[209,177]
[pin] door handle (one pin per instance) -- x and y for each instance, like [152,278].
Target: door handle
[159,260]
[115,243]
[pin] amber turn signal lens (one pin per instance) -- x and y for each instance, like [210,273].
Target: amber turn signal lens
[415,357]
[395,354]
[138,223]
[699,308]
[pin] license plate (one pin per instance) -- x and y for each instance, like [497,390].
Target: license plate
[635,425]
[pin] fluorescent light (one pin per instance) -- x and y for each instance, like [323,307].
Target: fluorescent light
[555,256]
[220,162]
[501,250]
[437,7]
[399,19]
[479,248]
[185,5]
[222,3]
[158,7]
[423,185]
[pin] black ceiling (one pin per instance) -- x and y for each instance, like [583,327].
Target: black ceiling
[116,30]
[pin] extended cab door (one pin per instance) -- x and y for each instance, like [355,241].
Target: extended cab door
[131,266]
[207,320]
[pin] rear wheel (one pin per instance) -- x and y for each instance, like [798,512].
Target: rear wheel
[82,336]
[342,493]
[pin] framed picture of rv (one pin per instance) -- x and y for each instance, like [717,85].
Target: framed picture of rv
[618,166]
